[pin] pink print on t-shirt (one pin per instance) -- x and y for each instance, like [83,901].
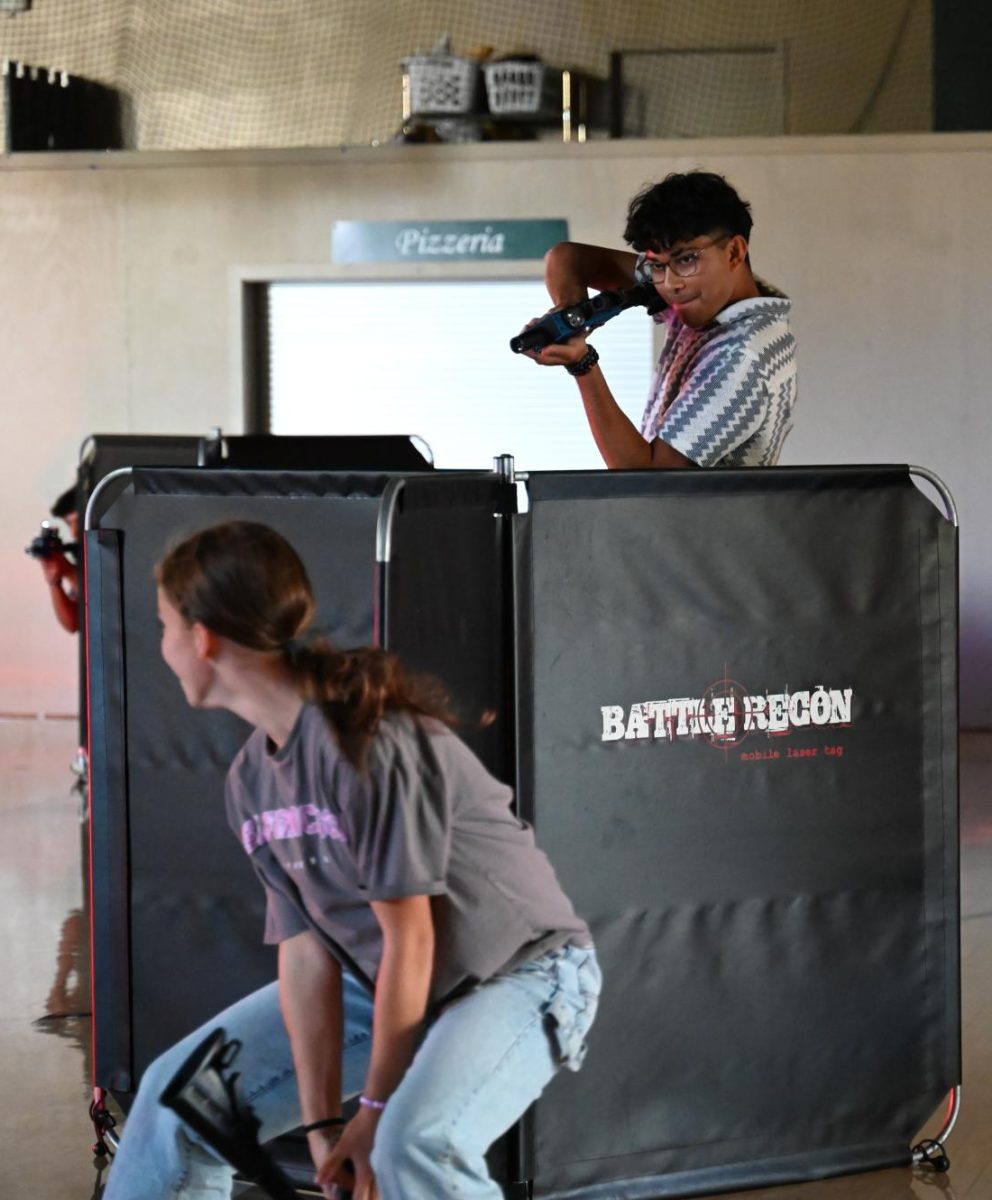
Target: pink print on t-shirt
[281,824]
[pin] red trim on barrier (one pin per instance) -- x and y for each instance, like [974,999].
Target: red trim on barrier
[85,632]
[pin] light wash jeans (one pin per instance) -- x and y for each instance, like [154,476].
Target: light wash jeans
[481,1064]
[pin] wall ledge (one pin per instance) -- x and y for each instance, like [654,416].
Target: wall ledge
[675,150]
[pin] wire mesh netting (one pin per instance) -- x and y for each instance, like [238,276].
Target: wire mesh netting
[198,74]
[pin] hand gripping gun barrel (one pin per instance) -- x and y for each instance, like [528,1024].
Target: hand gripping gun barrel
[563,323]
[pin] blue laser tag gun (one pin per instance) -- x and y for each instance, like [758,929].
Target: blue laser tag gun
[204,1093]
[563,323]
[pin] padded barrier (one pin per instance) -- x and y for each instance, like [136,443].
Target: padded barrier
[768,860]
[178,915]
[738,744]
[194,909]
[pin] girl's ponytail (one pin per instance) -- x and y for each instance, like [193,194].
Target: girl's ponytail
[356,688]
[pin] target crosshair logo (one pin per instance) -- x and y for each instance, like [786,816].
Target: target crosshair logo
[723,713]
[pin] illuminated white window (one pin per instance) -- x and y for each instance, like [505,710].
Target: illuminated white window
[432,358]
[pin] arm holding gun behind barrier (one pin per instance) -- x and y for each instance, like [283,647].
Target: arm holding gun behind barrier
[59,560]
[570,270]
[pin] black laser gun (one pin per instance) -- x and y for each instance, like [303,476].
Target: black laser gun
[48,543]
[204,1095]
[563,323]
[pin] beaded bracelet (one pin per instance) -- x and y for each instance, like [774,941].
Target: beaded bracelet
[585,363]
[365,1102]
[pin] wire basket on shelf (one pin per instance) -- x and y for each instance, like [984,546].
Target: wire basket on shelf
[441,83]
[520,86]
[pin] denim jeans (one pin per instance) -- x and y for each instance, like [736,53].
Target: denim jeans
[485,1059]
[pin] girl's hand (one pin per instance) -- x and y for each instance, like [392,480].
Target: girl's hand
[351,1146]
[322,1143]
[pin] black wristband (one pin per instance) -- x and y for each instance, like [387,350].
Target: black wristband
[327,1123]
[585,363]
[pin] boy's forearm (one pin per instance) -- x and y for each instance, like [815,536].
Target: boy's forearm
[618,440]
[571,268]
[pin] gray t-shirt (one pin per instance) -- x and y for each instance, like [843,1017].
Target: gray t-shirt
[421,817]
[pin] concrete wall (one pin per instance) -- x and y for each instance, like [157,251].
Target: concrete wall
[116,278]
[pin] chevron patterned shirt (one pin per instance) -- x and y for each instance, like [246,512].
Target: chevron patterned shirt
[723,394]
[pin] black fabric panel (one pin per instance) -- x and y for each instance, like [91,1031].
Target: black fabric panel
[254,452]
[196,909]
[108,814]
[740,1175]
[777,933]
[447,602]
[942,790]
[285,483]
[106,452]
[588,485]
[445,593]
[440,491]
[526,684]
[103,453]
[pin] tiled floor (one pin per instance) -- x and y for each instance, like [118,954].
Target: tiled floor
[44,993]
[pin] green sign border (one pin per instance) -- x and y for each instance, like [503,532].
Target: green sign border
[444,241]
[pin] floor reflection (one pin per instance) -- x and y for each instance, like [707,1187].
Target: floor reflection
[67,1009]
